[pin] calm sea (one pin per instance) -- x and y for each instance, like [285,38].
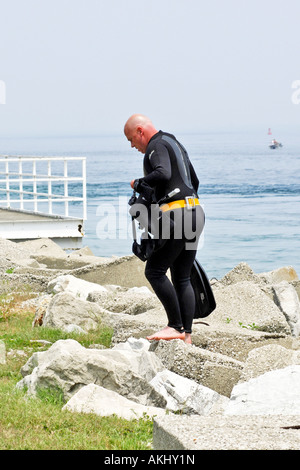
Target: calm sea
[250,194]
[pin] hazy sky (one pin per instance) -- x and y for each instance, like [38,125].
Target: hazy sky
[84,66]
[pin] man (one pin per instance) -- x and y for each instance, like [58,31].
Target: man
[166,167]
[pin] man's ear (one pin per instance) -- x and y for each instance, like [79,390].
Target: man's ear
[140,130]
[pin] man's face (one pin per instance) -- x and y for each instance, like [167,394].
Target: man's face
[137,139]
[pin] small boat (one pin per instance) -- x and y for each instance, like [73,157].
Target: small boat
[275,145]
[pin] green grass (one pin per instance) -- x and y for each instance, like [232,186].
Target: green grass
[39,423]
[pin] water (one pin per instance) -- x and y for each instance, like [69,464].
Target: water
[250,194]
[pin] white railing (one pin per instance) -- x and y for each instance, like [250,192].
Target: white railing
[52,172]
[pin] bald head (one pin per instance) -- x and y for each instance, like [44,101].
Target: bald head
[137,120]
[139,130]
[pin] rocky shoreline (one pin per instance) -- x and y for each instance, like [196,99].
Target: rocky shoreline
[244,361]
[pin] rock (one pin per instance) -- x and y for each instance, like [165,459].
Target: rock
[254,331]
[126,271]
[13,255]
[64,309]
[41,310]
[84,251]
[95,399]
[241,272]
[30,263]
[71,328]
[2,353]
[273,393]
[235,341]
[78,287]
[245,304]
[139,325]
[43,247]
[267,358]
[68,366]
[287,300]
[33,279]
[194,433]
[135,344]
[186,395]
[142,362]
[296,285]
[131,301]
[48,253]
[213,370]
[286,273]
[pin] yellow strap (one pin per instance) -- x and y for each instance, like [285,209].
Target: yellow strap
[192,202]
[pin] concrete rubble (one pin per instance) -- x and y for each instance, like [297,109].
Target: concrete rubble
[236,387]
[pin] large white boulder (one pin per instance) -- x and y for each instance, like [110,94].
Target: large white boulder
[68,366]
[273,393]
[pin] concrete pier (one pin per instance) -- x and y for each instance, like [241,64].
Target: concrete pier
[17,225]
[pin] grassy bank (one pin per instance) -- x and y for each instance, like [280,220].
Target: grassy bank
[39,423]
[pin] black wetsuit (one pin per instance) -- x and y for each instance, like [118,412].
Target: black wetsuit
[166,167]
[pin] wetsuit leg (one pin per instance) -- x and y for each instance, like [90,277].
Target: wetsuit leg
[180,273]
[155,272]
[178,296]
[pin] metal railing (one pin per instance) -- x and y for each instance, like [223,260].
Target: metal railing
[23,178]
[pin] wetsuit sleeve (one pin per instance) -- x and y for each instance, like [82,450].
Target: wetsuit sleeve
[161,166]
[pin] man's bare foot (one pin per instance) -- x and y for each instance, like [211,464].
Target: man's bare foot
[167,333]
[188,338]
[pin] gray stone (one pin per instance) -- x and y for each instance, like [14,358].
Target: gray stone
[286,273]
[267,358]
[42,246]
[132,301]
[194,433]
[186,395]
[241,272]
[65,309]
[68,366]
[244,303]
[41,309]
[78,287]
[215,371]
[126,271]
[102,402]
[288,301]
[273,393]
[2,353]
